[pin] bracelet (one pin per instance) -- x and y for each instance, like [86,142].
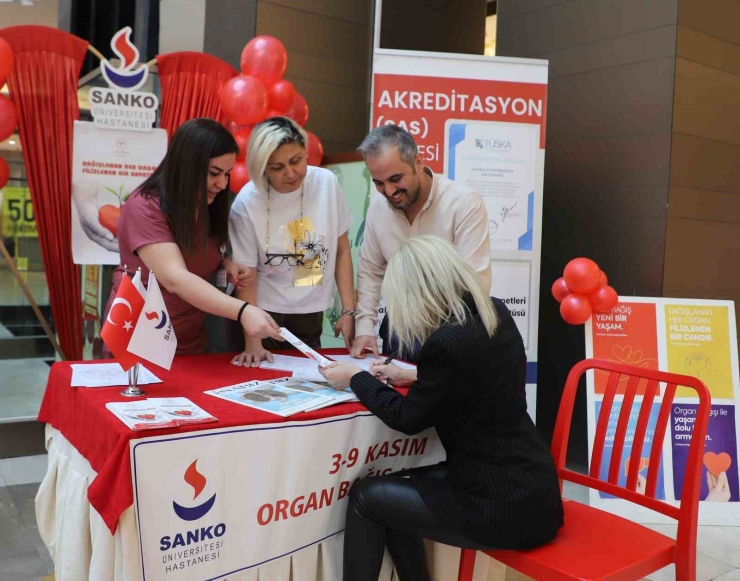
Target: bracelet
[239,316]
[351,312]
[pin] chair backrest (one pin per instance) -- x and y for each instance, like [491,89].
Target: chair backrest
[643,383]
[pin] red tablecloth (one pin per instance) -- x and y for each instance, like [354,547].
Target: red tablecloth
[79,413]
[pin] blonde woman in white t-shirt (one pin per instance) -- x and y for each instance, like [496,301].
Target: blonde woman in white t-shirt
[289,224]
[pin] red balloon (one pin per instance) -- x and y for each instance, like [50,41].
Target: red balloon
[603,299]
[234,127]
[8,118]
[298,112]
[582,275]
[244,99]
[273,113]
[6,60]
[560,290]
[239,177]
[282,95]
[4,172]
[315,149]
[242,140]
[265,58]
[603,280]
[575,309]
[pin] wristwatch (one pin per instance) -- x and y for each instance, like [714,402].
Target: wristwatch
[350,312]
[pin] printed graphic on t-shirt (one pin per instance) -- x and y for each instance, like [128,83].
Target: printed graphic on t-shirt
[306,254]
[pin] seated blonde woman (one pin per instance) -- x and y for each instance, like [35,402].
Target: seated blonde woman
[498,487]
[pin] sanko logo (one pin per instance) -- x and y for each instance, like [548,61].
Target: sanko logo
[198,482]
[120,105]
[127,76]
[198,535]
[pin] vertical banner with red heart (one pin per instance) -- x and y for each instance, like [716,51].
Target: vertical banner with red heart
[107,166]
[691,337]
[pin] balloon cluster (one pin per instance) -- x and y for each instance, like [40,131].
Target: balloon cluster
[8,114]
[259,93]
[582,289]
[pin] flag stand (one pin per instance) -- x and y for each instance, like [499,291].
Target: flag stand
[133,389]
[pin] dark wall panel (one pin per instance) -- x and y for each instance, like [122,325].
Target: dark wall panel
[607,168]
[434,25]
[229,25]
[704,224]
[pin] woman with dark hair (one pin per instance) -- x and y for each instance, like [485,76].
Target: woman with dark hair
[176,224]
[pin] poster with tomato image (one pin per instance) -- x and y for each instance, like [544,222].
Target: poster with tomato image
[107,166]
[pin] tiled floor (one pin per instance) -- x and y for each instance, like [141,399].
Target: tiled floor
[23,556]
[22,388]
[23,380]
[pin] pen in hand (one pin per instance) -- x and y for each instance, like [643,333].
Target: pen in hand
[387,361]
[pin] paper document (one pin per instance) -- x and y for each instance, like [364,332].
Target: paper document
[335,397]
[364,364]
[300,367]
[182,410]
[303,348]
[156,413]
[107,375]
[268,397]
[308,370]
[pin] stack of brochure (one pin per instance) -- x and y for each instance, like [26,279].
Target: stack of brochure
[162,412]
[283,397]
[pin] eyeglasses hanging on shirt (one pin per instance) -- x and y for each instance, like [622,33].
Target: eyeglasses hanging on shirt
[309,256]
[278,259]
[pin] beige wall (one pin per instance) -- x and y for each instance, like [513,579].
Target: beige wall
[703,234]
[329,46]
[181,25]
[42,12]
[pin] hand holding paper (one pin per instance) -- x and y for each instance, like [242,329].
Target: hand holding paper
[305,349]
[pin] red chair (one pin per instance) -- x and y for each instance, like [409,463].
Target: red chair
[594,544]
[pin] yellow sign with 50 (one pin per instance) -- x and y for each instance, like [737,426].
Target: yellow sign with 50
[17,219]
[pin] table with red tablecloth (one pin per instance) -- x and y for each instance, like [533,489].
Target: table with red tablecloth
[84,506]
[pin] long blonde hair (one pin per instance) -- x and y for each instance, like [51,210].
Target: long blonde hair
[424,287]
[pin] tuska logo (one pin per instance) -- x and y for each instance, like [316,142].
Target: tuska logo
[493,144]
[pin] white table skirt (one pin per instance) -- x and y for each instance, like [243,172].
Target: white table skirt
[84,550]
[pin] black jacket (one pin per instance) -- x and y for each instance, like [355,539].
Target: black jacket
[501,487]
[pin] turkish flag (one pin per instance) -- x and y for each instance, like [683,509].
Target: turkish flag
[121,321]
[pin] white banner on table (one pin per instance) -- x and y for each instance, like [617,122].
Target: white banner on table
[212,503]
[107,166]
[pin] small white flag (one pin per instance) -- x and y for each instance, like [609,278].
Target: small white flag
[154,337]
[136,281]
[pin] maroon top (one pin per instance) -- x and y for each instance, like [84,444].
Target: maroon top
[142,222]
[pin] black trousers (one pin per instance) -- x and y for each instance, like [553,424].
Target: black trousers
[306,326]
[388,511]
